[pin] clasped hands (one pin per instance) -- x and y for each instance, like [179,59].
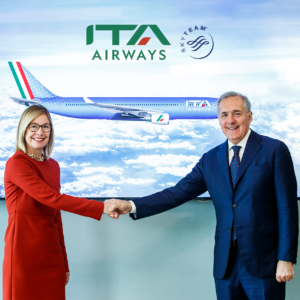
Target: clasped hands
[114,208]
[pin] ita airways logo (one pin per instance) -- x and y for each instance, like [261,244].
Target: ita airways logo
[133,48]
[197,42]
[198,105]
[135,39]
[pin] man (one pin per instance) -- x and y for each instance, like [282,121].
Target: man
[252,184]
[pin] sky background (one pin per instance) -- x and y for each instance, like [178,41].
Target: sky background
[256,53]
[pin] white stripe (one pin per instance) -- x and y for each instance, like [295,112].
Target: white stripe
[21,80]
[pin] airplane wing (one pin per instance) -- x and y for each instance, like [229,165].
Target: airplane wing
[26,102]
[126,110]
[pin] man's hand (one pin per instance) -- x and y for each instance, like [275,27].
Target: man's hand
[109,209]
[285,271]
[117,207]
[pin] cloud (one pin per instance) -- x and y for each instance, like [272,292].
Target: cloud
[2,163]
[73,164]
[164,159]
[92,170]
[62,164]
[84,164]
[60,15]
[98,181]
[246,66]
[163,137]
[176,171]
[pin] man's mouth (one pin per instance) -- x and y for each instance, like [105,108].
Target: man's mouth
[232,128]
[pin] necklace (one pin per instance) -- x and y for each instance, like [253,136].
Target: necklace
[42,158]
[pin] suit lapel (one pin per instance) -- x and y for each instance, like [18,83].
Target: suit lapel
[252,147]
[222,156]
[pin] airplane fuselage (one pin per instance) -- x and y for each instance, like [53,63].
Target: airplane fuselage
[176,107]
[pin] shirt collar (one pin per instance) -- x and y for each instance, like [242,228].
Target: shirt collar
[242,143]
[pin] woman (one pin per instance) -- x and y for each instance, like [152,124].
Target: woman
[35,265]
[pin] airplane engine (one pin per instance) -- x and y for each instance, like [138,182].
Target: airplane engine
[162,119]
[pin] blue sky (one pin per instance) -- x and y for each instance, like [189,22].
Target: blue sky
[256,52]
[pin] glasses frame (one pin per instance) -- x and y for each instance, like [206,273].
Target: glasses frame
[39,126]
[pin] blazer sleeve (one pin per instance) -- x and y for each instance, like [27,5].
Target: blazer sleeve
[21,174]
[287,206]
[61,239]
[186,189]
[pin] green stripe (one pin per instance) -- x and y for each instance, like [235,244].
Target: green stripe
[17,80]
[159,118]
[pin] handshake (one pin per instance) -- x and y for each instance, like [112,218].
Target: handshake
[114,208]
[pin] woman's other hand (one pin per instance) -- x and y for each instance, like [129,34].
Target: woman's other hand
[67,277]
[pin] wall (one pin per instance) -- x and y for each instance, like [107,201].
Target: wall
[168,256]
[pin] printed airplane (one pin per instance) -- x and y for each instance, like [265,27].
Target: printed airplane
[157,110]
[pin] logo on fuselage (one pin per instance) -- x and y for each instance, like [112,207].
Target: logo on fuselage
[198,105]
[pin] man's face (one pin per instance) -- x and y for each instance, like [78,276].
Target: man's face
[233,119]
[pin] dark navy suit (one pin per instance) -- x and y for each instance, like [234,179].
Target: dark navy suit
[263,204]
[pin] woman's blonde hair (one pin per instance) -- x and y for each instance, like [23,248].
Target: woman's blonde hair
[27,117]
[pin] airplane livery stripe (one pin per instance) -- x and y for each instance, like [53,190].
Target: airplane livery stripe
[17,80]
[25,80]
[21,80]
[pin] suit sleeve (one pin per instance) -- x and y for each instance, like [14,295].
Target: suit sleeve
[186,189]
[287,207]
[21,174]
[61,239]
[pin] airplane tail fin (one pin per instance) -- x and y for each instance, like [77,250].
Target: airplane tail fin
[28,85]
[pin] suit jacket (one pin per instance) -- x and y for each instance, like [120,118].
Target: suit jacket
[263,204]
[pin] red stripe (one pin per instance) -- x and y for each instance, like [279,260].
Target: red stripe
[25,80]
[144,41]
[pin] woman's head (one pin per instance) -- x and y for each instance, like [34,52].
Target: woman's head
[35,132]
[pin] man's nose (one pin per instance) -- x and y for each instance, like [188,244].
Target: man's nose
[231,118]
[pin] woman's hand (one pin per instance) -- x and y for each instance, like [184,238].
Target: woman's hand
[67,277]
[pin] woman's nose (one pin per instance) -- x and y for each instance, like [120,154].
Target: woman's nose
[40,131]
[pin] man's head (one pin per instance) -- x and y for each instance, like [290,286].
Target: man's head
[235,115]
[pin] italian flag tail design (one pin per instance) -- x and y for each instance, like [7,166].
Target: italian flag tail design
[28,85]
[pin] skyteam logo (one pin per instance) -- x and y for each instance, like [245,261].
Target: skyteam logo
[197,42]
[136,39]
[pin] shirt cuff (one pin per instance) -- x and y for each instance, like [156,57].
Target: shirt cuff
[133,210]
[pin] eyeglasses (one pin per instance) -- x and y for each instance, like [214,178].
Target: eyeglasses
[33,127]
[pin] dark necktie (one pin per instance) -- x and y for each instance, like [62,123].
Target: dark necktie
[234,167]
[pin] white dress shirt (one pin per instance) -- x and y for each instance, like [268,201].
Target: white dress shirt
[242,144]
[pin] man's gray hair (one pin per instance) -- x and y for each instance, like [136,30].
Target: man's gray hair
[245,99]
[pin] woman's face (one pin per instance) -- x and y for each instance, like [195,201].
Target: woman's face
[36,141]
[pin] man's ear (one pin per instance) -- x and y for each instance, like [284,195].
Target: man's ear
[250,116]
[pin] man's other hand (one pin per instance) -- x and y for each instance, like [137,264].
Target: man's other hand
[285,271]
[117,207]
